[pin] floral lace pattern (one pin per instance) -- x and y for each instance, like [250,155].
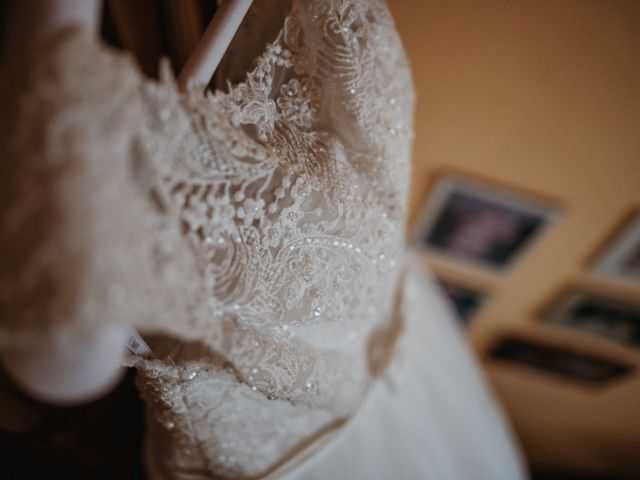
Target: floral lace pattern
[270,219]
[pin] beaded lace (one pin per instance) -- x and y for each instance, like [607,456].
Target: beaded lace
[253,235]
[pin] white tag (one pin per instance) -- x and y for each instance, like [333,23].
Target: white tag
[137,346]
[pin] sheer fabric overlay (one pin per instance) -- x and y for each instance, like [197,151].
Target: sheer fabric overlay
[254,234]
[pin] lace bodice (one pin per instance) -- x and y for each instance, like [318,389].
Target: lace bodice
[253,234]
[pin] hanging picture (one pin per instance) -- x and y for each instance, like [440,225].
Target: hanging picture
[621,259]
[465,300]
[481,224]
[597,315]
[560,362]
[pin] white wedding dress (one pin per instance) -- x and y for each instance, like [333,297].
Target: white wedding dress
[256,238]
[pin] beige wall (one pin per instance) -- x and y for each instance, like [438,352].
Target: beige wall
[543,97]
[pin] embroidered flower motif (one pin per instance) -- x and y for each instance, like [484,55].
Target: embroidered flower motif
[301,188]
[298,102]
[291,217]
[273,235]
[250,210]
[251,105]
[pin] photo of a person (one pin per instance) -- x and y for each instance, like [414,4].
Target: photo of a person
[479,229]
[480,223]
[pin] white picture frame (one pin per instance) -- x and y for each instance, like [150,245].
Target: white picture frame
[621,259]
[519,221]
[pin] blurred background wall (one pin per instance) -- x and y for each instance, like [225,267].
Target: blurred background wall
[541,98]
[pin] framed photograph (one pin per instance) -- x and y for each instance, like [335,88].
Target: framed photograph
[480,223]
[621,259]
[560,362]
[465,300]
[597,315]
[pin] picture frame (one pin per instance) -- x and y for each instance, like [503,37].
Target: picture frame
[481,224]
[560,362]
[597,315]
[620,261]
[465,300]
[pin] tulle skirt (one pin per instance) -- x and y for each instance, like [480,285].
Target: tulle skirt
[430,416]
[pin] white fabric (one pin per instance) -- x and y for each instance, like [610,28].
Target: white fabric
[431,416]
[256,237]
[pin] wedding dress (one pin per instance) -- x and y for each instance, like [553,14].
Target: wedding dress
[255,236]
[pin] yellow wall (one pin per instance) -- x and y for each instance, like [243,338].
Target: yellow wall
[542,96]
